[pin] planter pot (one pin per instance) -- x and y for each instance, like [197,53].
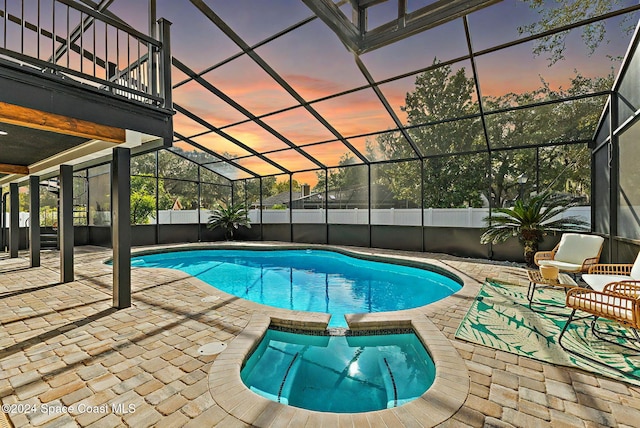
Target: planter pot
[549,272]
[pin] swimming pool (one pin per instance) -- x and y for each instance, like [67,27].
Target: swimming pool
[341,374]
[309,280]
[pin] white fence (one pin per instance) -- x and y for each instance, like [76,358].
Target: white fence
[445,217]
[23,219]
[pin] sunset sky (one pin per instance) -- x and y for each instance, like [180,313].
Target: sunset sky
[316,65]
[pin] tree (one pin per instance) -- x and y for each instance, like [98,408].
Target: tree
[530,220]
[229,218]
[562,167]
[179,180]
[248,191]
[345,176]
[567,12]
[143,199]
[283,186]
[439,95]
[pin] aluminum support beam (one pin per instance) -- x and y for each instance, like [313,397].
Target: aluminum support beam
[34,220]
[614,177]
[121,226]
[65,223]
[14,223]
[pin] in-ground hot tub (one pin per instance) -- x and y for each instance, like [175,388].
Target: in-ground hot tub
[342,374]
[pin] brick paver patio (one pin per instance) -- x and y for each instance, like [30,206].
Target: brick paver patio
[68,359]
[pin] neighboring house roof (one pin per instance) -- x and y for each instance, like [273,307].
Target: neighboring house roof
[280,198]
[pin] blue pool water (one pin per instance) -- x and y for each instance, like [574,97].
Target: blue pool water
[339,374]
[309,280]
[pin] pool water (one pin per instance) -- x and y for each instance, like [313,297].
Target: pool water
[309,280]
[342,374]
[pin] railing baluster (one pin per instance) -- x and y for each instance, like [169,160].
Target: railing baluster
[4,26]
[150,69]
[68,38]
[129,70]
[140,75]
[38,32]
[95,53]
[22,27]
[117,69]
[81,42]
[53,32]
[139,85]
[106,53]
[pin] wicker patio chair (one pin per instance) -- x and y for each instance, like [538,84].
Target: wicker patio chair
[575,253]
[618,302]
[602,274]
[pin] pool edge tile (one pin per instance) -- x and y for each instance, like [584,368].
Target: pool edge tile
[439,403]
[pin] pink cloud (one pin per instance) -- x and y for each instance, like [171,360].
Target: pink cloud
[312,88]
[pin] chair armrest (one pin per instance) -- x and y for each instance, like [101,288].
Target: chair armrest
[629,288]
[578,290]
[613,306]
[587,263]
[610,269]
[543,255]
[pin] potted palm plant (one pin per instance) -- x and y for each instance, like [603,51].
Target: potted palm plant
[530,220]
[229,218]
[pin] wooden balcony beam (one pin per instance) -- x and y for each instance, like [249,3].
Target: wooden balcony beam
[38,119]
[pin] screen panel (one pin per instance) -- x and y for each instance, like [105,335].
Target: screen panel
[628,190]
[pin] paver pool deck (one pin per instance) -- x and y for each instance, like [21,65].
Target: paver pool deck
[68,359]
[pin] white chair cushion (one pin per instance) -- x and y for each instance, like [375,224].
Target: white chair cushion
[601,303]
[635,270]
[597,282]
[576,248]
[563,266]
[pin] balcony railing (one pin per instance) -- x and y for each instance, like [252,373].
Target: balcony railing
[75,43]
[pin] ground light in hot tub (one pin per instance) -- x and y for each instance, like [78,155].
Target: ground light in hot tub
[341,374]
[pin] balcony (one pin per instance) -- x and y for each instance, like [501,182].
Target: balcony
[75,82]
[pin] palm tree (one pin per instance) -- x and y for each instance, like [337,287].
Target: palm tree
[229,218]
[530,220]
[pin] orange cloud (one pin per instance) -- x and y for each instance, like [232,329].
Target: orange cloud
[255,137]
[299,126]
[330,154]
[292,160]
[258,92]
[185,126]
[258,166]
[199,101]
[308,177]
[216,143]
[357,113]
[312,88]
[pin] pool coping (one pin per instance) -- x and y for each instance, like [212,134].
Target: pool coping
[439,403]
[363,255]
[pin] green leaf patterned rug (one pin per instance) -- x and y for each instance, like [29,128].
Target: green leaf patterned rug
[500,318]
